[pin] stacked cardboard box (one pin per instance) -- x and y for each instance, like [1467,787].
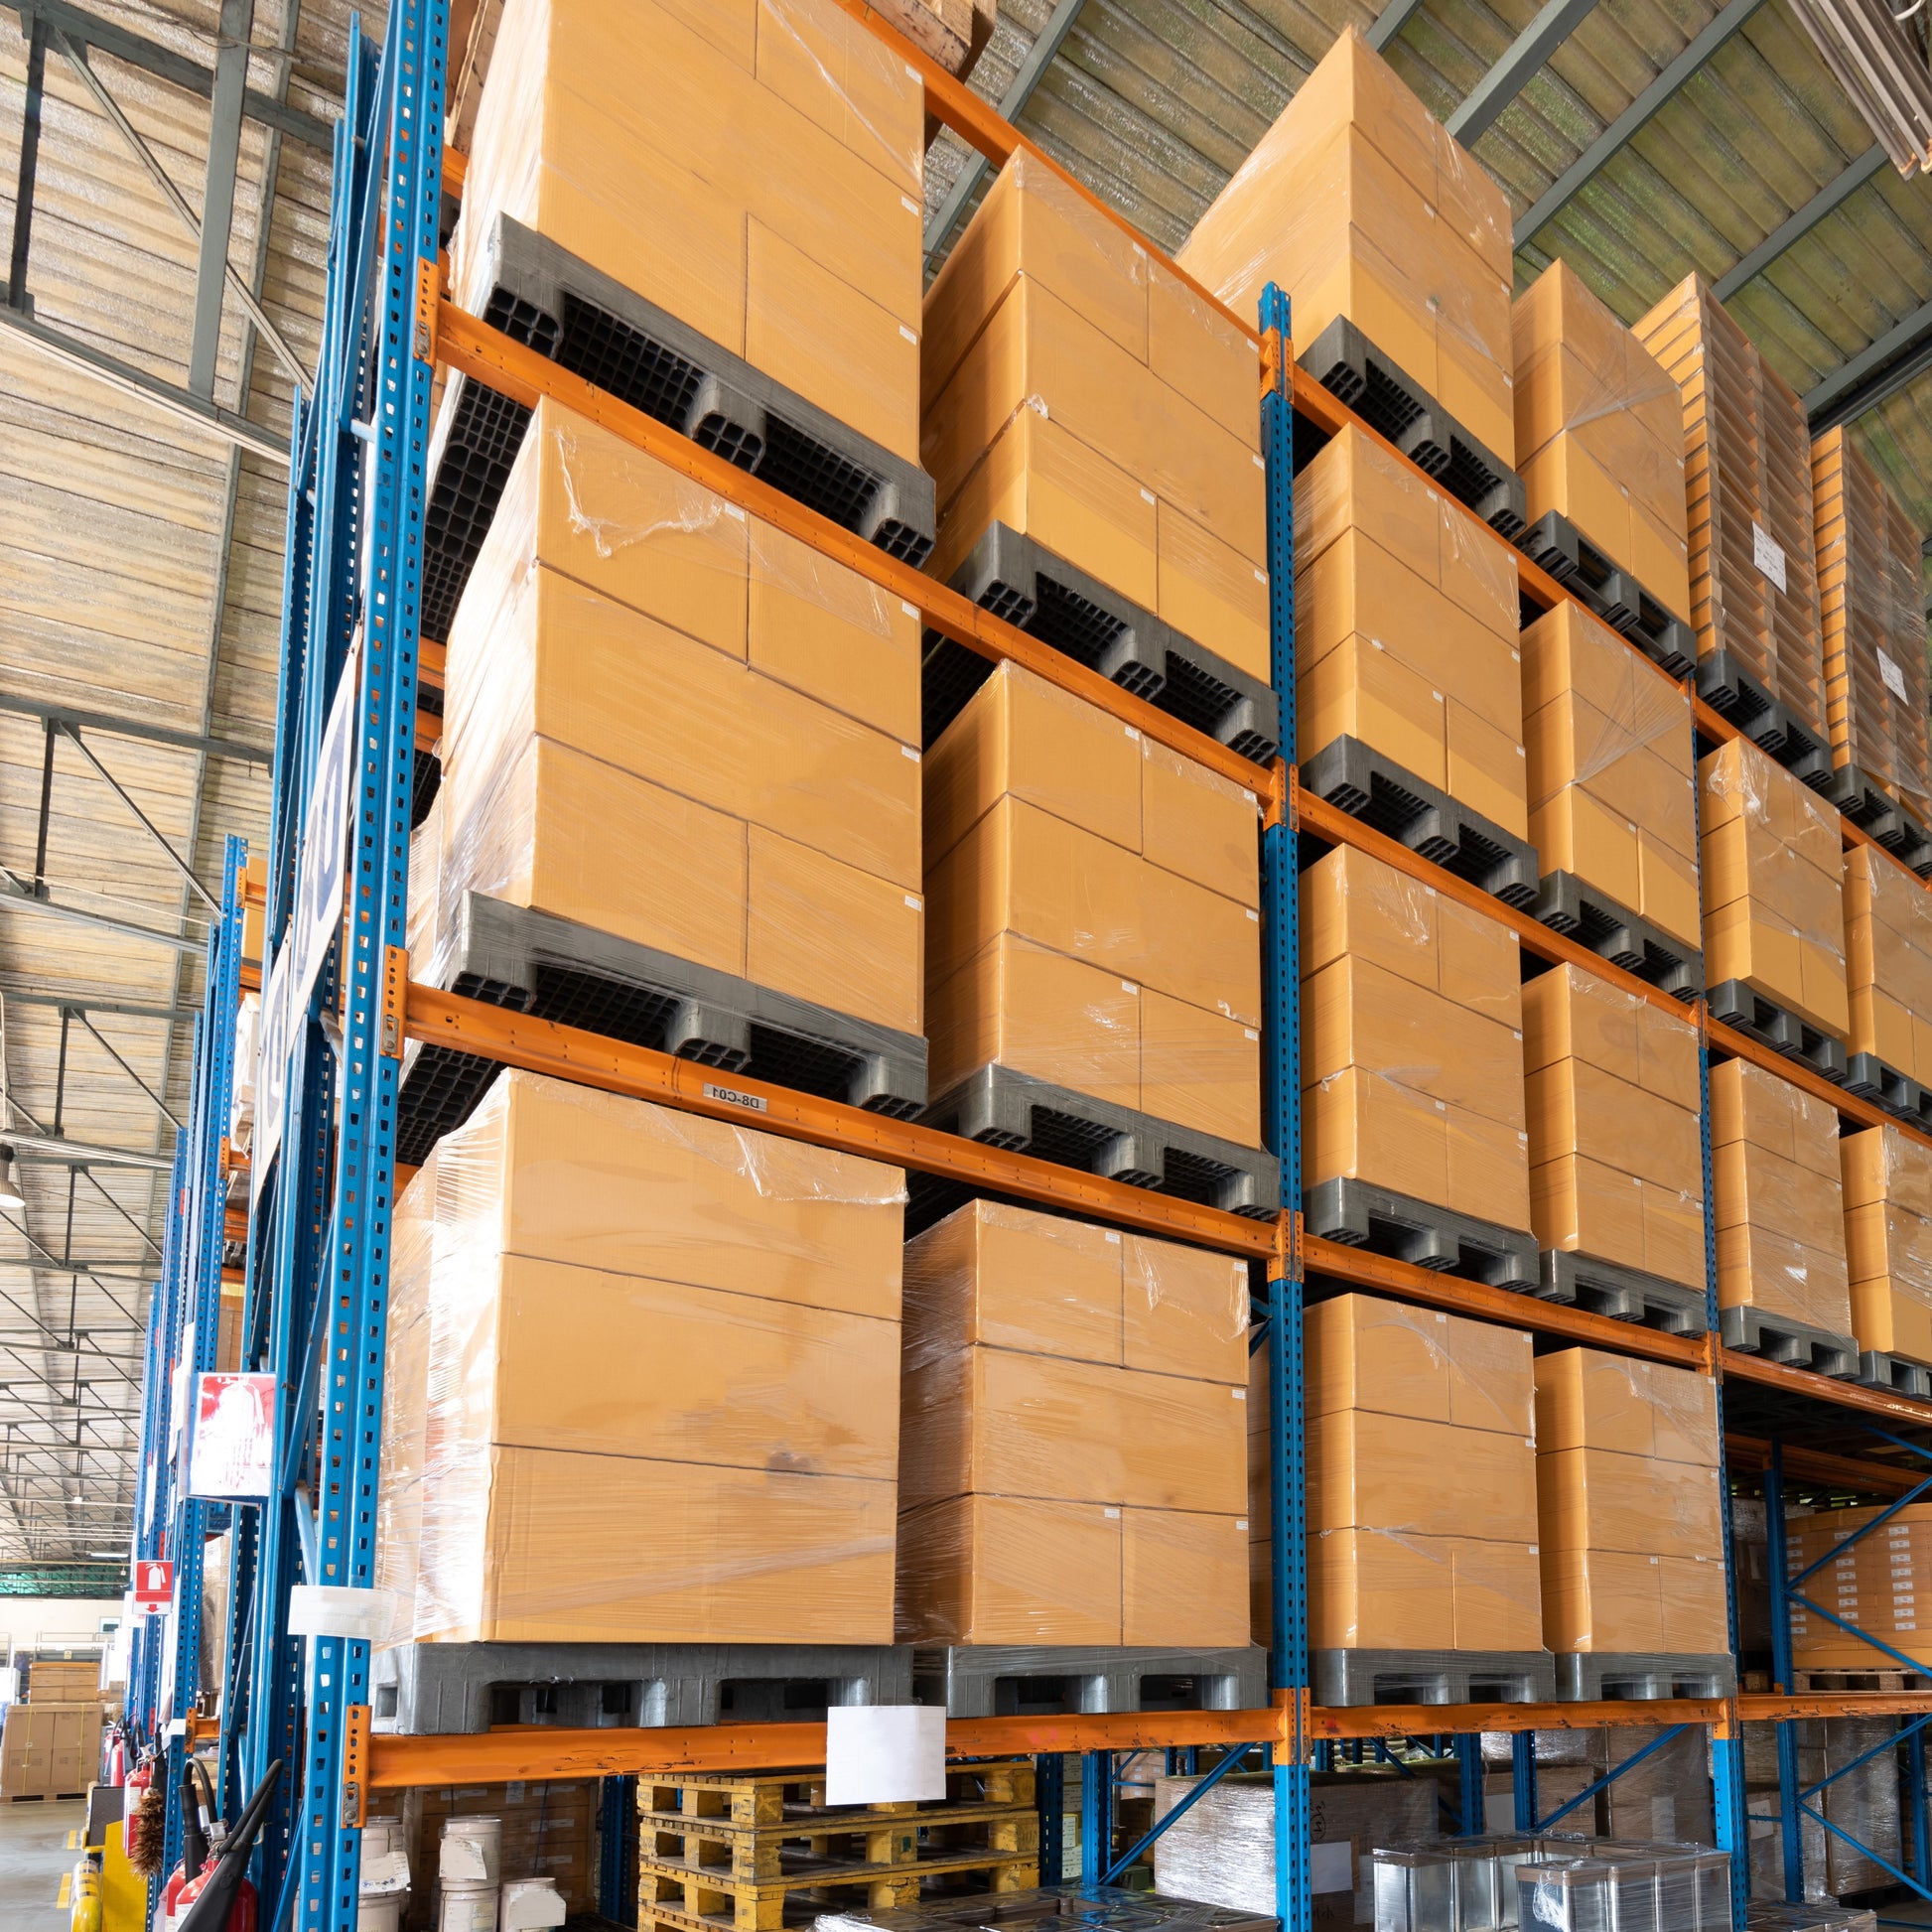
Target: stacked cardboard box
[1359,204]
[1082,394]
[1779,1200]
[1613,1105]
[1629,1523]
[642,1370]
[1612,797]
[63,1680]
[1599,433]
[1406,628]
[1874,609]
[1773,886]
[1861,1799]
[549,1832]
[1887,1180]
[1411,1046]
[1093,911]
[755,169]
[1072,1437]
[1889,963]
[1420,1482]
[1747,473]
[675,724]
[1882,1583]
[50,1751]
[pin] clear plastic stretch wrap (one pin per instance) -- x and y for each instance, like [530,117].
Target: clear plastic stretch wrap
[1876,679]
[1666,1797]
[1861,1802]
[1412,1041]
[1406,628]
[756,170]
[1773,1914]
[1881,1583]
[1887,1181]
[1599,433]
[1612,785]
[1080,392]
[1779,1200]
[1614,1108]
[1420,1481]
[1092,912]
[642,1381]
[1073,1436]
[1064,1908]
[1889,962]
[1774,885]
[1624,1885]
[677,724]
[1629,1506]
[1748,479]
[1222,1848]
[1359,203]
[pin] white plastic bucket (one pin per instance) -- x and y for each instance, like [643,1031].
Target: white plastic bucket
[468,1908]
[380,1914]
[471,1851]
[533,1904]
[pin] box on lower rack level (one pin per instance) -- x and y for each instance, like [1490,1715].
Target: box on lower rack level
[1406,628]
[1889,963]
[1092,912]
[1079,391]
[1073,1436]
[756,173]
[538,1484]
[1412,1015]
[1881,1583]
[1887,1182]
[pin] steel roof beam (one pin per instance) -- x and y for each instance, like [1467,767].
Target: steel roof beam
[1555,21]
[1801,223]
[99,721]
[1390,22]
[14,893]
[81,1003]
[1878,370]
[1617,136]
[212,269]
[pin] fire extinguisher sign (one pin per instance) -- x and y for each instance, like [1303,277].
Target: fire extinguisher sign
[154,1586]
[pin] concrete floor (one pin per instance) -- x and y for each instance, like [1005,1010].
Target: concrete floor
[33,1856]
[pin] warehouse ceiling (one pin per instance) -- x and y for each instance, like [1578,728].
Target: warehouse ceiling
[142,502]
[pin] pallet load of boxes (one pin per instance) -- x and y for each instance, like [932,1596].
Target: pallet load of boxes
[687,1421]
[50,1736]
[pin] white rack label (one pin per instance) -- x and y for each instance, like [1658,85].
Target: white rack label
[732,1097]
[1766,555]
[1894,678]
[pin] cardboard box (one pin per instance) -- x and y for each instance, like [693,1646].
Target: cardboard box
[1600,1499]
[1357,202]
[50,1751]
[1614,1600]
[1882,1583]
[1366,1472]
[1364,1353]
[1887,1181]
[529,1494]
[760,182]
[1889,961]
[1383,1590]
[1587,1399]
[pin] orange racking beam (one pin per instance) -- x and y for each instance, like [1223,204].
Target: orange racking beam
[1751,1454]
[1459,1720]
[1772,1706]
[1902,1408]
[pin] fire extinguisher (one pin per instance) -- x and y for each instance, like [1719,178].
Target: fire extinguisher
[193,1850]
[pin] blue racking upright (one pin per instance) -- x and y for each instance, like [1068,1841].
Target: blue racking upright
[337,1008]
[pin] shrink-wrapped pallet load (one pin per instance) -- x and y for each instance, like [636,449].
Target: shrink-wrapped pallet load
[1888,966]
[1072,1437]
[1411,1044]
[1360,205]
[1612,799]
[676,725]
[1613,1106]
[1774,887]
[1630,1507]
[1779,1203]
[1876,679]
[1600,434]
[1080,392]
[642,1381]
[1880,1581]
[1887,1181]
[1093,911]
[1748,470]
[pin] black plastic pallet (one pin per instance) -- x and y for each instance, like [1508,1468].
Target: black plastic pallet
[1871,1079]
[1611,931]
[1875,811]
[1585,1675]
[1877,1370]
[1743,702]
[1025,1115]
[543,296]
[1015,578]
[1797,1343]
[1604,587]
[1624,1294]
[1358,779]
[1348,365]
[1034,1680]
[425,781]
[1351,1677]
[534,962]
[437,1689]
[1359,1215]
[1738,1005]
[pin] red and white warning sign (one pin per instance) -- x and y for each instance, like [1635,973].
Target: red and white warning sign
[154,1586]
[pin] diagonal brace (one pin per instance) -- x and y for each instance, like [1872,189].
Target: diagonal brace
[1609,1777]
[147,824]
[80,1013]
[1126,1859]
[1890,1744]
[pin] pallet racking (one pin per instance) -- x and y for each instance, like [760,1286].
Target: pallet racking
[316,1277]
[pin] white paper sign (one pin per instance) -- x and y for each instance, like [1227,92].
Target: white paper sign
[1766,555]
[885,1753]
[233,1453]
[1332,1867]
[322,871]
[339,1610]
[271,1072]
[1894,678]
